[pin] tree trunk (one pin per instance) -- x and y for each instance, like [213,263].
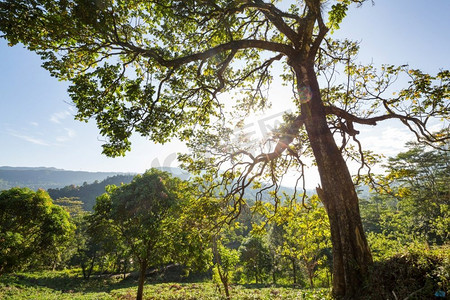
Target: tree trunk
[351,254]
[142,271]
[224,280]
[91,266]
[83,269]
[294,270]
[310,275]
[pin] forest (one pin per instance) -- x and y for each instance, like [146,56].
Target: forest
[160,235]
[195,72]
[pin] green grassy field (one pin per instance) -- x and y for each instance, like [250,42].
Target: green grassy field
[69,285]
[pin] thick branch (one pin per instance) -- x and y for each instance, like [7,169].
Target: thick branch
[284,141]
[318,40]
[276,17]
[422,129]
[233,45]
[333,110]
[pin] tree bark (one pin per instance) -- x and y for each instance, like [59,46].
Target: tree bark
[311,275]
[351,254]
[224,279]
[294,271]
[142,271]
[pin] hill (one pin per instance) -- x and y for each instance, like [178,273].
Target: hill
[86,186]
[45,178]
[87,193]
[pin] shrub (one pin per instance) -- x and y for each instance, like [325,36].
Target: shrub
[415,274]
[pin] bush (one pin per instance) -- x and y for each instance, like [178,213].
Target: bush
[415,274]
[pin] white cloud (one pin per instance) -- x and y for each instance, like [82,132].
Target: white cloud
[57,117]
[35,124]
[29,138]
[438,127]
[69,134]
[388,141]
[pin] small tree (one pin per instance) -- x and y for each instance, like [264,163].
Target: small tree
[306,236]
[256,258]
[31,228]
[86,251]
[141,213]
[225,261]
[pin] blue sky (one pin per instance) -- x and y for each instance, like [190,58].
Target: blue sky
[36,117]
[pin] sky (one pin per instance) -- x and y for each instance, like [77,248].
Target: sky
[36,115]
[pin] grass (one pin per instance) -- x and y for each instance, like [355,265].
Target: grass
[69,285]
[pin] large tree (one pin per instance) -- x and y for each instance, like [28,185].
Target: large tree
[158,67]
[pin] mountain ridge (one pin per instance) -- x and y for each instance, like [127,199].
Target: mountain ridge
[54,178]
[48,177]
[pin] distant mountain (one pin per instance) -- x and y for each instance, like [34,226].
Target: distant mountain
[45,178]
[59,183]
[88,185]
[29,168]
[177,172]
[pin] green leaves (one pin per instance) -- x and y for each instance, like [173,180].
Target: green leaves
[148,215]
[148,66]
[337,14]
[302,234]
[31,227]
[414,205]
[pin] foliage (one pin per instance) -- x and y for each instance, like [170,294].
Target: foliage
[383,246]
[419,180]
[413,200]
[256,259]
[32,228]
[224,268]
[138,211]
[406,216]
[72,205]
[88,192]
[416,273]
[305,236]
[158,68]
[144,214]
[98,247]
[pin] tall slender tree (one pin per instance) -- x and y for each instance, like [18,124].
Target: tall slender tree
[157,67]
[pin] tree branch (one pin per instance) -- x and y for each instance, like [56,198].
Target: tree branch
[276,17]
[232,45]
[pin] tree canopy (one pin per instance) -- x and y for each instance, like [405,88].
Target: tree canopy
[31,227]
[412,200]
[143,213]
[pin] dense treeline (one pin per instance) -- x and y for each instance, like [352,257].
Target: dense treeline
[157,220]
[87,193]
